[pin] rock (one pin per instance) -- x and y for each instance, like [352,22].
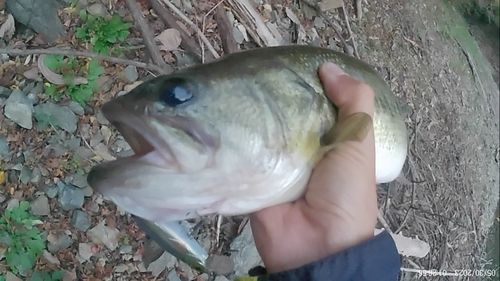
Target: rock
[165,261]
[188,272]
[40,206]
[131,73]
[80,220]
[74,143]
[36,175]
[101,234]
[51,258]
[125,249]
[9,276]
[13,203]
[245,254]
[238,36]
[96,139]
[121,93]
[87,191]
[221,265]
[98,9]
[33,98]
[4,147]
[76,108]
[319,22]
[106,133]
[84,252]
[60,116]
[221,278]
[25,175]
[38,89]
[172,276]
[79,180]
[101,119]
[58,241]
[19,109]
[51,191]
[41,16]
[5,92]
[70,196]
[84,152]
[121,268]
[2,198]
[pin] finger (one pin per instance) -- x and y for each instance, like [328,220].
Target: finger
[348,94]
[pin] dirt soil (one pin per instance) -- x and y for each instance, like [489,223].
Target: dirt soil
[435,66]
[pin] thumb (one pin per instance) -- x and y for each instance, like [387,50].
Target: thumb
[348,94]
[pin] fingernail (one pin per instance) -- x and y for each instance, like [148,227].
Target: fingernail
[331,68]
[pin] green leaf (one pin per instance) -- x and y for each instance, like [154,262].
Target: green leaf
[123,35]
[93,85]
[50,90]
[83,14]
[94,39]
[68,78]
[53,62]
[57,275]
[36,276]
[81,33]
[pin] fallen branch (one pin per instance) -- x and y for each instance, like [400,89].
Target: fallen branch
[187,43]
[408,246]
[147,35]
[194,26]
[346,17]
[55,51]
[253,17]
[226,31]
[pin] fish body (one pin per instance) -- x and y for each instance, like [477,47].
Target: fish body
[235,135]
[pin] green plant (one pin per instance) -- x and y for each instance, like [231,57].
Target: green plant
[102,33]
[21,238]
[71,68]
[45,276]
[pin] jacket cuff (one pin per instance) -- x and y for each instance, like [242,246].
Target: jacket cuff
[373,259]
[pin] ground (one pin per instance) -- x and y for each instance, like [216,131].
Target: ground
[444,71]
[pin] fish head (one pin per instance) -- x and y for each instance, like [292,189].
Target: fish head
[198,143]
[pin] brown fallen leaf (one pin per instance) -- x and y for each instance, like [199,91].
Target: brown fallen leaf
[170,39]
[33,74]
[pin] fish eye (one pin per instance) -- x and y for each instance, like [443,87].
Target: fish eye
[175,92]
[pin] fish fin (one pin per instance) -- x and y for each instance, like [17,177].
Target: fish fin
[354,127]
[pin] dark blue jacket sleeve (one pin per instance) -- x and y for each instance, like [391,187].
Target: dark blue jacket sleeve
[375,259]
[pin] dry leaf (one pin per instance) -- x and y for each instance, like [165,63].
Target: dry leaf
[132,86]
[102,151]
[8,27]
[327,5]
[2,177]
[170,39]
[55,78]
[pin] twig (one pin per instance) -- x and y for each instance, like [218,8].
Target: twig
[409,209]
[226,33]
[250,31]
[198,31]
[383,222]
[187,43]
[217,232]
[146,33]
[346,17]
[56,51]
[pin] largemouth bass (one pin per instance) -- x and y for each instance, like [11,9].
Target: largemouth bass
[236,135]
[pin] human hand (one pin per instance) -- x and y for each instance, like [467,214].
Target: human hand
[339,207]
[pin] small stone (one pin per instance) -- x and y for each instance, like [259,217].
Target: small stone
[319,22]
[96,139]
[70,197]
[186,269]
[25,175]
[203,277]
[221,265]
[60,116]
[5,92]
[51,191]
[58,241]
[101,234]
[4,147]
[98,9]
[105,83]
[93,207]
[33,98]
[28,87]
[76,108]
[38,89]
[244,252]
[79,180]
[84,252]
[51,258]
[13,203]
[36,175]
[125,249]
[19,109]
[106,133]
[40,206]
[84,152]
[131,73]
[80,220]
[221,278]
[121,93]
[172,276]
[2,198]
[121,268]
[165,261]
[238,36]
[87,191]
[101,119]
